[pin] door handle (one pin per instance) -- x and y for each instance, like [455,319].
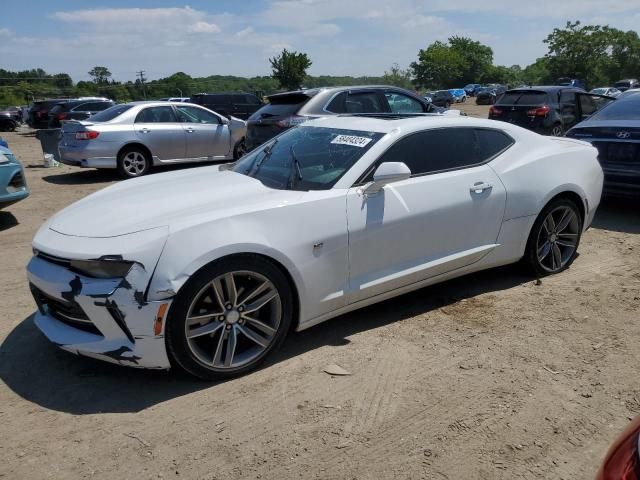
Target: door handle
[190,130]
[480,187]
[145,130]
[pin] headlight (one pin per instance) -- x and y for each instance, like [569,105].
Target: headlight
[103,268]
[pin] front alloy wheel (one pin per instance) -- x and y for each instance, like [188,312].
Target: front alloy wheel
[229,317]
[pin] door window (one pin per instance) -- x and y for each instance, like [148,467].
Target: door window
[196,115]
[443,149]
[156,115]
[399,103]
[568,97]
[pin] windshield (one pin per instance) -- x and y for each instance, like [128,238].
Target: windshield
[110,113]
[307,158]
[599,91]
[625,109]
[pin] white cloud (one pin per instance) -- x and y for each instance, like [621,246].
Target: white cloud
[204,27]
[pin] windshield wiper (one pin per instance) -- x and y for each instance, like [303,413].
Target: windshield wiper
[267,153]
[295,163]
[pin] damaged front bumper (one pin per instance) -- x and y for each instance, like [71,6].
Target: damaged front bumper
[107,319]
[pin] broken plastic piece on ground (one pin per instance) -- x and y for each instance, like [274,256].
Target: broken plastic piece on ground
[335,369]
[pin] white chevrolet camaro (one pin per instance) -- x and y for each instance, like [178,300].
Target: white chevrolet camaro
[207,269]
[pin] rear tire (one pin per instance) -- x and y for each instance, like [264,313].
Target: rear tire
[447,104]
[556,130]
[229,317]
[133,162]
[554,238]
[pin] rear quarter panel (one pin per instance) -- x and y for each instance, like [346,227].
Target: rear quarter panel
[538,168]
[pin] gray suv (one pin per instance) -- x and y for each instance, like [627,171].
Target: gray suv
[287,109]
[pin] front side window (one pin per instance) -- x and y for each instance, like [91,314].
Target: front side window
[307,158]
[399,103]
[196,115]
[444,149]
[156,115]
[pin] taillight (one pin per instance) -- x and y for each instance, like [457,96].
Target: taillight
[292,121]
[88,135]
[539,112]
[495,111]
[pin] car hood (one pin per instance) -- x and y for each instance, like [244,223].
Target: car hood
[167,199]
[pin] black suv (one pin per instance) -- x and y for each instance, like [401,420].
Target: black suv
[490,94]
[547,110]
[39,112]
[441,98]
[288,109]
[80,109]
[240,105]
[627,84]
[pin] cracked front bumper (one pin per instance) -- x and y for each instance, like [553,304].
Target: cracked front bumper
[106,319]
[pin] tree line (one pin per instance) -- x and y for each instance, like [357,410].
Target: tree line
[599,55]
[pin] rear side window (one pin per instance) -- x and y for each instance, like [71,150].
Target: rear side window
[110,113]
[568,96]
[156,115]
[278,109]
[357,102]
[445,149]
[523,98]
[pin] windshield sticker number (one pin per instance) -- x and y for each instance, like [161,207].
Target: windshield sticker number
[352,140]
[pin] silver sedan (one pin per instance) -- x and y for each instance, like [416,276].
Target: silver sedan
[133,137]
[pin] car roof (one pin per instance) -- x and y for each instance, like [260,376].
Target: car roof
[391,123]
[310,92]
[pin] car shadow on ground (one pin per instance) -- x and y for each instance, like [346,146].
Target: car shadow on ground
[618,215]
[41,373]
[83,177]
[7,220]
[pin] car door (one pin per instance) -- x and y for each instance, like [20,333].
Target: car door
[159,129]
[207,135]
[590,103]
[445,216]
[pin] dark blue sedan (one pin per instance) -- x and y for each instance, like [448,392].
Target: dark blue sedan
[13,185]
[615,132]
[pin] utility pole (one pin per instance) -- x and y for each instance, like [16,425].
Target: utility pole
[142,79]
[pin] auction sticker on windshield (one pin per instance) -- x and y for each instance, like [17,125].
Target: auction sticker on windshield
[352,140]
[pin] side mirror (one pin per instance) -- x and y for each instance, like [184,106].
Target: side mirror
[387,172]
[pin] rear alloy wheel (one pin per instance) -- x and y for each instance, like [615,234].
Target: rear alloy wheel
[133,162]
[556,130]
[554,239]
[229,317]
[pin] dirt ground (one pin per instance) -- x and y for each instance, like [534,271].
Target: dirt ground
[491,376]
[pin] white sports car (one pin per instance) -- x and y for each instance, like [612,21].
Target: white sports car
[207,269]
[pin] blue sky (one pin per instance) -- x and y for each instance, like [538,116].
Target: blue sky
[342,37]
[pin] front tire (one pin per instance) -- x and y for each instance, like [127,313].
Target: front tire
[133,162]
[553,242]
[240,150]
[229,317]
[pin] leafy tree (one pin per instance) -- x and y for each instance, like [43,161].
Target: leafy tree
[100,75]
[397,76]
[437,67]
[476,59]
[290,68]
[537,73]
[597,54]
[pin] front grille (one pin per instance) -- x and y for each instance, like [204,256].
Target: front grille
[618,153]
[69,313]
